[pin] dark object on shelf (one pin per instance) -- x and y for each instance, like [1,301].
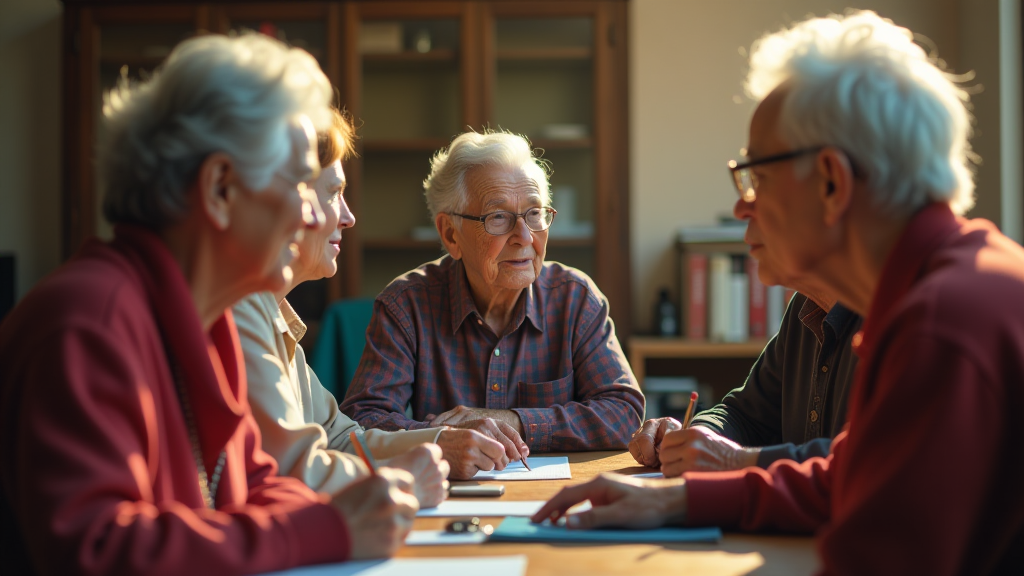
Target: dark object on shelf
[6,284]
[666,316]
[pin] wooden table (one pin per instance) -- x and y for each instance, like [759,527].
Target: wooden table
[735,554]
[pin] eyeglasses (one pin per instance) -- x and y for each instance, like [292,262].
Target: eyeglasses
[745,179]
[502,221]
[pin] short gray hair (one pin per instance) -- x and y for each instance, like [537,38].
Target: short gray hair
[445,188]
[235,95]
[860,83]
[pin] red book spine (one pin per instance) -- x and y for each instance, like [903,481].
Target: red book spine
[758,302]
[697,307]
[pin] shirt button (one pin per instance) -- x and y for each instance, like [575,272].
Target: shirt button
[497,351]
[495,387]
[817,399]
[479,321]
[814,415]
[824,368]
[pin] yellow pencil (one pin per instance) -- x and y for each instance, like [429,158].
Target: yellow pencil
[363,451]
[689,410]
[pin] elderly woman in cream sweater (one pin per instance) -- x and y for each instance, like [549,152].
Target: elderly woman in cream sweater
[298,418]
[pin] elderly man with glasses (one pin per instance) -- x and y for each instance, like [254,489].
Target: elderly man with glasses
[490,338]
[925,478]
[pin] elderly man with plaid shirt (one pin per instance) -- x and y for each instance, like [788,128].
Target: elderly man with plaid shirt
[518,354]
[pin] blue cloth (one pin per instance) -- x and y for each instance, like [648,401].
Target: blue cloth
[340,344]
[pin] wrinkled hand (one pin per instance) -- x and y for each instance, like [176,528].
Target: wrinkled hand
[462,414]
[468,450]
[379,510]
[701,449]
[646,442]
[619,501]
[430,471]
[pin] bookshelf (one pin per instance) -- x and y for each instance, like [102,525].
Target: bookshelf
[525,66]
[642,348]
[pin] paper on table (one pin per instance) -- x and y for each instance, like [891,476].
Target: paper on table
[493,566]
[522,530]
[488,508]
[442,537]
[544,468]
[648,475]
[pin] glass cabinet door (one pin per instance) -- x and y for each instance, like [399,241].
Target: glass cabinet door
[411,107]
[128,53]
[543,89]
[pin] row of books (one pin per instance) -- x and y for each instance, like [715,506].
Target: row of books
[727,301]
[723,298]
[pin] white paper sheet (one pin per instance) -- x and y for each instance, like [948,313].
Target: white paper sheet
[443,538]
[492,566]
[544,468]
[461,507]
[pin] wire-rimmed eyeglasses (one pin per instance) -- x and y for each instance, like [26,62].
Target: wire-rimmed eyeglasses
[502,221]
[745,179]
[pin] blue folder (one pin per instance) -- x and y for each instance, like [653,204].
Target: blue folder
[514,529]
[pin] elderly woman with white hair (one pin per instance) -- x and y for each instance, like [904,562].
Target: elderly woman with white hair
[856,176]
[128,446]
[491,337]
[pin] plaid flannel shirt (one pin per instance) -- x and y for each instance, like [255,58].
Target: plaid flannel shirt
[558,364]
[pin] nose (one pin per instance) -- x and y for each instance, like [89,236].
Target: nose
[346,219]
[742,209]
[313,217]
[522,231]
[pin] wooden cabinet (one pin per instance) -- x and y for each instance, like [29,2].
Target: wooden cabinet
[413,74]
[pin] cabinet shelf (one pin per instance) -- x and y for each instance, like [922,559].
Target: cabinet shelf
[551,53]
[643,347]
[440,55]
[405,145]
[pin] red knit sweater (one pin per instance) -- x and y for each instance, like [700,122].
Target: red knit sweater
[96,466]
[927,478]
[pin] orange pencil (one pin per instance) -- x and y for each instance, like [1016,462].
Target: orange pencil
[363,451]
[689,410]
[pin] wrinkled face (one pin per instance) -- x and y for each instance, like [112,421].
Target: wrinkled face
[268,224]
[784,228]
[319,249]
[511,261]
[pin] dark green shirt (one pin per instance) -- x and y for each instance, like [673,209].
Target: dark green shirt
[794,400]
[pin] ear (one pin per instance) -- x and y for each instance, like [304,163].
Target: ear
[449,235]
[218,184]
[837,183]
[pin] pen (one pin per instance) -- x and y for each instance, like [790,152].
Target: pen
[363,451]
[689,410]
[525,463]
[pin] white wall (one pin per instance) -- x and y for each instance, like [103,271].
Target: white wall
[688,114]
[30,136]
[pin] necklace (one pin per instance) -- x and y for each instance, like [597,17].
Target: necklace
[207,485]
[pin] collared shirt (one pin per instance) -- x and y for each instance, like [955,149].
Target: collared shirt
[794,400]
[926,477]
[299,419]
[558,364]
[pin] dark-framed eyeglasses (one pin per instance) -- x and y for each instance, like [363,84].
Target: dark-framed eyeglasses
[745,179]
[502,221]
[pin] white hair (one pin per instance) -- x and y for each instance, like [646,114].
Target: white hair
[445,187]
[860,83]
[235,95]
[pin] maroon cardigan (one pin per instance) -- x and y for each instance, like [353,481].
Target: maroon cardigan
[96,466]
[927,478]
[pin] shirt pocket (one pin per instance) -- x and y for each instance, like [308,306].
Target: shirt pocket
[546,394]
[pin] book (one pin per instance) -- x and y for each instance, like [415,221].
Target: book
[719,282]
[739,301]
[758,304]
[775,307]
[696,309]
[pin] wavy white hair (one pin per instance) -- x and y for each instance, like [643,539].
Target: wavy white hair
[214,93]
[860,83]
[445,187]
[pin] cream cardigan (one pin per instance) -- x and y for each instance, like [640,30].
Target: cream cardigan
[298,418]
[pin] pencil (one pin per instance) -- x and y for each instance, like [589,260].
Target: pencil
[689,410]
[363,451]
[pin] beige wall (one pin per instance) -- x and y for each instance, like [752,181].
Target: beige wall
[688,115]
[30,139]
